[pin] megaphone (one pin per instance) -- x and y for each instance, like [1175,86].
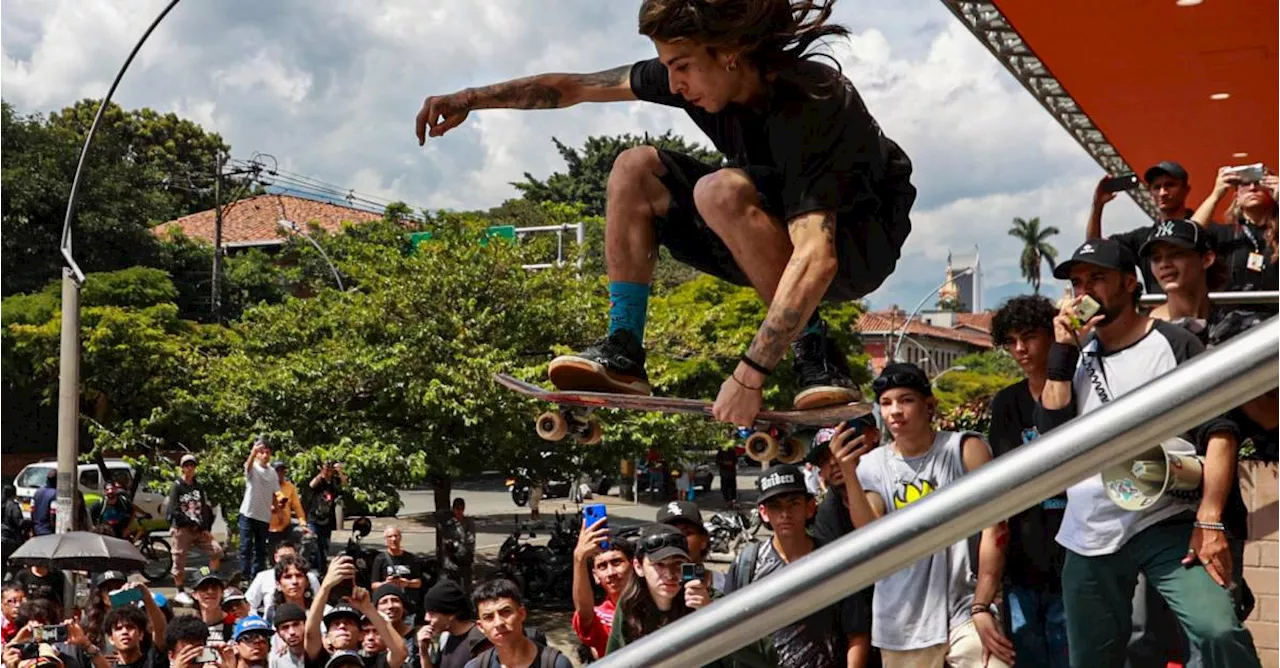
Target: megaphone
[1170,468]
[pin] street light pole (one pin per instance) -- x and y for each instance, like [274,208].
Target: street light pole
[290,226]
[894,351]
[958,367]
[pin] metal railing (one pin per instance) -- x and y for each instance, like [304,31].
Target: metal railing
[1224,298]
[1202,388]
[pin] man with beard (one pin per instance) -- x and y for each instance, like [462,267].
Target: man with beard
[449,635]
[611,569]
[1181,548]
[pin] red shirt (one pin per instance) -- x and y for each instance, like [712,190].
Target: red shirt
[596,635]
[8,629]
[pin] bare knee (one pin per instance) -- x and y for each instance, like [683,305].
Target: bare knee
[724,196]
[634,178]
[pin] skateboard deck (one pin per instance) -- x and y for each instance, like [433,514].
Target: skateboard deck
[771,438]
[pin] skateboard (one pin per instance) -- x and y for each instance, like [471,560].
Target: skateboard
[773,434]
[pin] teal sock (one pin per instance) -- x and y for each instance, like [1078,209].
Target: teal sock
[815,324]
[628,307]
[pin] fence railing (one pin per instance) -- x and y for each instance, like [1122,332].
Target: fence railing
[1202,388]
[1225,298]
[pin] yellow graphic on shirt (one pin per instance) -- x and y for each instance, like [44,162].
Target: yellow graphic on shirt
[912,492]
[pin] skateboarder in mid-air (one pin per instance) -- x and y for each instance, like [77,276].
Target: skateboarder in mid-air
[813,203]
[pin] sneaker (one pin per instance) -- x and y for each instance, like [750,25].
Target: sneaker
[616,364]
[822,373]
[183,598]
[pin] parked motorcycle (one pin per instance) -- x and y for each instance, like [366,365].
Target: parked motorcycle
[544,577]
[730,529]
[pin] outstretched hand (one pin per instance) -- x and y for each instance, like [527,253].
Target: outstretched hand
[440,114]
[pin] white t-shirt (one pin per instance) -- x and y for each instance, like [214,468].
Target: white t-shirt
[260,485]
[1094,525]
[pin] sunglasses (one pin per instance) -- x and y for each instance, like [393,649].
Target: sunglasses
[883,384]
[650,544]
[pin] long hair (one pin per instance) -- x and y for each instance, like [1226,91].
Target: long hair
[641,612]
[1268,224]
[772,34]
[282,568]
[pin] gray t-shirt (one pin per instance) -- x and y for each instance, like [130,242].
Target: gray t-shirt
[816,641]
[916,607]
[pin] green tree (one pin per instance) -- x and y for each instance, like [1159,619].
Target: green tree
[588,169]
[1035,248]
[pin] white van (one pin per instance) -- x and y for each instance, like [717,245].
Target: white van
[32,477]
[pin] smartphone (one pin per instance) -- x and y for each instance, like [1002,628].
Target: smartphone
[51,634]
[122,597]
[1117,184]
[690,571]
[592,514]
[343,589]
[1248,173]
[1087,308]
[209,655]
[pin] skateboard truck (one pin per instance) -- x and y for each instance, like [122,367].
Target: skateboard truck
[558,424]
[765,445]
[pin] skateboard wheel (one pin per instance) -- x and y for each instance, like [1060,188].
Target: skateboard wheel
[593,435]
[792,451]
[552,426]
[761,446]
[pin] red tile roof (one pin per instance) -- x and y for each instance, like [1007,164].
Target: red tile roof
[979,321]
[883,322]
[255,220]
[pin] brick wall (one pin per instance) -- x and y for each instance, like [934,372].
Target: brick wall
[1259,485]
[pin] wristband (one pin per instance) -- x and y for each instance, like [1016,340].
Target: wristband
[744,385]
[746,359]
[1062,361]
[978,608]
[1210,526]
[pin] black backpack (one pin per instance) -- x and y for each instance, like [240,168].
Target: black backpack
[546,657]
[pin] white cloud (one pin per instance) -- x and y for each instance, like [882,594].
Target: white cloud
[331,88]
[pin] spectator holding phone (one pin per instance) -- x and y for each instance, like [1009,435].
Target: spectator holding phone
[400,568]
[1181,548]
[261,482]
[136,642]
[656,596]
[1247,244]
[942,608]
[326,489]
[1168,184]
[611,570]
[187,643]
[285,506]
[342,622]
[114,583]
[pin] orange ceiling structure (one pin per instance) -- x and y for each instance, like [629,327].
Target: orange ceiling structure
[1147,73]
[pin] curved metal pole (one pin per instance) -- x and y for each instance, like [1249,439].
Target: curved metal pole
[88,139]
[914,313]
[327,261]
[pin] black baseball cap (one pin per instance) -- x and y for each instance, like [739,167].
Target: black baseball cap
[781,479]
[206,575]
[1180,233]
[681,511]
[342,611]
[1105,253]
[1165,167]
[659,541]
[902,374]
[110,577]
[289,612]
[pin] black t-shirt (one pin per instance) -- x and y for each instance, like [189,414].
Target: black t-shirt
[823,152]
[48,587]
[832,519]
[460,649]
[151,658]
[1034,558]
[323,499]
[407,566]
[378,660]
[220,632]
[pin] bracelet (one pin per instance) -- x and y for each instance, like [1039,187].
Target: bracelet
[1062,361]
[977,608]
[744,385]
[1212,526]
[746,359]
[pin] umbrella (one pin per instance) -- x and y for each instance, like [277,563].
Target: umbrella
[79,551]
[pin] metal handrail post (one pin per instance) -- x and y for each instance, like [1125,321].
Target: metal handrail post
[1224,298]
[1202,388]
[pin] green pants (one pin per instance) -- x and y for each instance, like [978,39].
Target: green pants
[1098,596]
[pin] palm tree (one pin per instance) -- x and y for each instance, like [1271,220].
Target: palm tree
[1035,247]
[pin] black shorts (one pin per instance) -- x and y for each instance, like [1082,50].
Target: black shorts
[867,246]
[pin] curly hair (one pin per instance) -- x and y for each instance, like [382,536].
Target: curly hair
[770,33]
[1024,313]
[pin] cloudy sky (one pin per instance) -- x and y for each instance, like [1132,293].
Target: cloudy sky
[331,88]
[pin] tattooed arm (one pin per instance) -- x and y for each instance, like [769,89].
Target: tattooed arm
[804,281]
[441,113]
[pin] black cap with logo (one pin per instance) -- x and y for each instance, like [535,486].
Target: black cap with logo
[1105,253]
[1180,233]
[1165,168]
[780,480]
